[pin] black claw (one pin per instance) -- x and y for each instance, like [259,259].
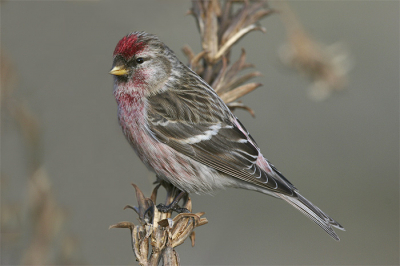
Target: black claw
[150,211]
[163,208]
[171,207]
[181,210]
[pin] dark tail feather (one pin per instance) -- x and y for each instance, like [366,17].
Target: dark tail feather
[314,213]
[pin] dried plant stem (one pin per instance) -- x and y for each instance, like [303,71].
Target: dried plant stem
[220,29]
[158,230]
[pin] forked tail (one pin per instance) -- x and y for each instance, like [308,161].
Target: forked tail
[314,213]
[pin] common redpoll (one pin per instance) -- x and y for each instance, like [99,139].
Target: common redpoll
[185,133]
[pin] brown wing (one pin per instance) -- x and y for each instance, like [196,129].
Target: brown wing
[198,124]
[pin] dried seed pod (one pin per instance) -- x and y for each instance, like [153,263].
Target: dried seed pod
[220,29]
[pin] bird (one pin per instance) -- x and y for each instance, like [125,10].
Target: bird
[183,131]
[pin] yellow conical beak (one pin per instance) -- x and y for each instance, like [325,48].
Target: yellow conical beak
[119,71]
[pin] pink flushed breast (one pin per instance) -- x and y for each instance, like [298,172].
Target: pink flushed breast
[131,115]
[154,154]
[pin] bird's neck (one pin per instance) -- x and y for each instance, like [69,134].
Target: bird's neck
[128,93]
[130,100]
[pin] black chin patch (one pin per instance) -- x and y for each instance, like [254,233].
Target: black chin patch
[122,79]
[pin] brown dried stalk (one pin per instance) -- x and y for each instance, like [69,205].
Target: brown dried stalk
[220,28]
[159,230]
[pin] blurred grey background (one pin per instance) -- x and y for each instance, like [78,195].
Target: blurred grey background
[342,153]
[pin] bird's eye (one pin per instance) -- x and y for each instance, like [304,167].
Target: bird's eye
[139,60]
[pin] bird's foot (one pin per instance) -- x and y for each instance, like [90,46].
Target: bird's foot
[171,207]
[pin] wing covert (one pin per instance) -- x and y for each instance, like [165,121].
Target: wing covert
[209,136]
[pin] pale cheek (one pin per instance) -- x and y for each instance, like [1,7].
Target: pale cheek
[154,77]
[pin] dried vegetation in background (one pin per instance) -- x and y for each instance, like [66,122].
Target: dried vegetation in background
[33,229]
[327,67]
